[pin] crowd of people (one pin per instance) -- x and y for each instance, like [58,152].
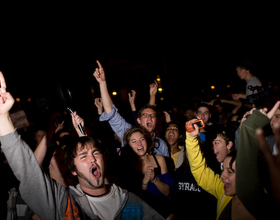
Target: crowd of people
[146,165]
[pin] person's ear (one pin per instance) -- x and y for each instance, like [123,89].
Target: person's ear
[230,144]
[74,173]
[139,121]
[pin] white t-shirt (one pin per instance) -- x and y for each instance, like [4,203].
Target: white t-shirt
[253,81]
[106,207]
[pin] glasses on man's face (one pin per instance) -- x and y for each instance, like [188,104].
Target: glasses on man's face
[175,128]
[146,115]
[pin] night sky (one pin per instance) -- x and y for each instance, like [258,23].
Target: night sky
[198,46]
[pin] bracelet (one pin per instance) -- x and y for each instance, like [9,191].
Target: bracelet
[144,184]
[154,180]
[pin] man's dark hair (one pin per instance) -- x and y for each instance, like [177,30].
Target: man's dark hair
[203,104]
[81,142]
[246,64]
[145,107]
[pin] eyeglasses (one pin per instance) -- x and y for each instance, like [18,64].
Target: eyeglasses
[175,128]
[146,115]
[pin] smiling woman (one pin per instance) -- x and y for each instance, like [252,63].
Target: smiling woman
[144,173]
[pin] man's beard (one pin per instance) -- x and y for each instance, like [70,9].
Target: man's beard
[99,182]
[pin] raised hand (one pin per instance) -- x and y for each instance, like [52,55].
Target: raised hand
[153,88]
[99,73]
[6,99]
[167,116]
[131,98]
[196,131]
[99,105]
[76,120]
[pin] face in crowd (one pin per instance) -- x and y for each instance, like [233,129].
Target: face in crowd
[138,143]
[275,118]
[229,176]
[242,73]
[172,134]
[89,166]
[204,114]
[148,119]
[221,147]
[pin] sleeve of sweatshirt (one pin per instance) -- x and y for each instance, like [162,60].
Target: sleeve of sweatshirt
[248,183]
[42,194]
[116,121]
[204,176]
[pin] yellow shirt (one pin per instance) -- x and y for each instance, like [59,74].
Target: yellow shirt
[176,155]
[204,176]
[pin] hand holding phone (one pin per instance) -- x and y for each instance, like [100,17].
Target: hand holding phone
[190,127]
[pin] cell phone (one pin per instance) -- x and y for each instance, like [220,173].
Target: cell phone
[191,127]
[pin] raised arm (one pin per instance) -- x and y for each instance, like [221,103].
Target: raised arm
[131,98]
[99,75]
[36,188]
[249,186]
[99,105]
[204,176]
[153,92]
[41,150]
[76,120]
[236,103]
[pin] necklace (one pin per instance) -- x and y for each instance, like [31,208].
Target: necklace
[103,194]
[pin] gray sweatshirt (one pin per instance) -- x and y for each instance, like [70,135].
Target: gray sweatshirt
[49,200]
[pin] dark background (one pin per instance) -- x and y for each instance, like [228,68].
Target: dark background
[190,46]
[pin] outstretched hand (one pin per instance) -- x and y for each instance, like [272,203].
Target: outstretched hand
[153,88]
[99,73]
[196,131]
[132,96]
[167,116]
[6,99]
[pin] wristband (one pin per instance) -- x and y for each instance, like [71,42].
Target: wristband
[144,184]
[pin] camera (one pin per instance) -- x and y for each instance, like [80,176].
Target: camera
[191,127]
[263,93]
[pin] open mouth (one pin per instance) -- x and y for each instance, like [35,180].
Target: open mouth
[140,149]
[171,137]
[95,172]
[226,186]
[149,124]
